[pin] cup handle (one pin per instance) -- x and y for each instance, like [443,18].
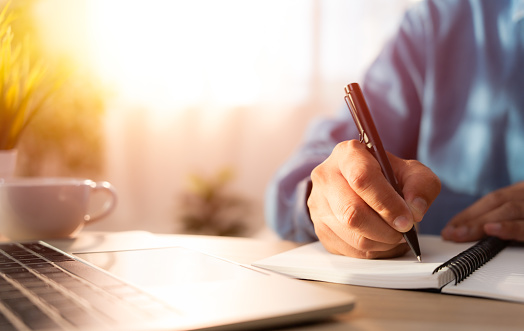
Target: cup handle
[108,206]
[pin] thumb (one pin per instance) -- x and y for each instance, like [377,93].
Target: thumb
[419,184]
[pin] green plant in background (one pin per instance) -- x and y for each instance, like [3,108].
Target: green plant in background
[23,85]
[63,136]
[67,137]
[208,208]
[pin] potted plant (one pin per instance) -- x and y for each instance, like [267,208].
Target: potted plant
[209,208]
[23,91]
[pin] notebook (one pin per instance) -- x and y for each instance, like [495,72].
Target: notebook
[42,288]
[454,268]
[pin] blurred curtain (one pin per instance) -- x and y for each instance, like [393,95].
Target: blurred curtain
[203,84]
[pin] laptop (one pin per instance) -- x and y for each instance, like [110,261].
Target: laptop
[169,288]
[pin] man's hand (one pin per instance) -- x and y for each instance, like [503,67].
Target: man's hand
[499,214]
[354,209]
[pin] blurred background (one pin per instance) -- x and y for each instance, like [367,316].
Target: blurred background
[189,107]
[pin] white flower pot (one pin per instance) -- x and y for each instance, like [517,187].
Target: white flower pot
[7,162]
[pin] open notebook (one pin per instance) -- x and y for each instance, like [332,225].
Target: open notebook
[500,278]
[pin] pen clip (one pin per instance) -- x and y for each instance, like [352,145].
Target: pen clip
[363,137]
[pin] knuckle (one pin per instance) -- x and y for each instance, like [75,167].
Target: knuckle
[434,183]
[351,216]
[353,145]
[313,196]
[340,148]
[360,178]
[323,173]
[387,207]
[431,180]
[354,219]
[496,198]
[318,174]
[347,145]
[311,203]
[512,210]
[314,202]
[363,244]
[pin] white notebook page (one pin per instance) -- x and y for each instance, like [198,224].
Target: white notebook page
[313,262]
[500,278]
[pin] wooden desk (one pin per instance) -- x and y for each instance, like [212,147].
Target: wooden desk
[376,309]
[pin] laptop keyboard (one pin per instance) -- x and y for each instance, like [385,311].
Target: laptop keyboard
[44,289]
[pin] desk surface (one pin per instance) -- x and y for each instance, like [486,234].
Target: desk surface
[376,309]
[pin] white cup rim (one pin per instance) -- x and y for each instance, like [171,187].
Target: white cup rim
[44,181]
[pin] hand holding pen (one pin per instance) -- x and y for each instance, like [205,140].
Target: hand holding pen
[369,136]
[357,212]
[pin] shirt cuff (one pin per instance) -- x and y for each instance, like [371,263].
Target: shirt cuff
[305,231]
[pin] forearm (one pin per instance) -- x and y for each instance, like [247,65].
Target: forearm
[286,210]
[287,193]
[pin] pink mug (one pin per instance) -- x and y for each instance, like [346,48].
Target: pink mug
[51,207]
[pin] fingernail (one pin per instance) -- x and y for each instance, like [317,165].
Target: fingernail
[402,224]
[461,231]
[447,231]
[419,206]
[492,228]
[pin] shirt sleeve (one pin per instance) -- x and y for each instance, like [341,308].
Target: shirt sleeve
[390,90]
[394,85]
[286,197]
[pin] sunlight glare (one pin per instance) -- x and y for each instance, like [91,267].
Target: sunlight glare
[170,56]
[176,53]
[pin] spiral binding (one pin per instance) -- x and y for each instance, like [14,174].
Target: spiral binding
[465,263]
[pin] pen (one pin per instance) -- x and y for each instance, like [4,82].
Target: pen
[369,136]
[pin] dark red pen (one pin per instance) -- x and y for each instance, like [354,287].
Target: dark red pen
[369,136]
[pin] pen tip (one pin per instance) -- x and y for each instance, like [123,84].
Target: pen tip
[419,259]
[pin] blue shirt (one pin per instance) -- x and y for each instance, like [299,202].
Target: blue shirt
[447,90]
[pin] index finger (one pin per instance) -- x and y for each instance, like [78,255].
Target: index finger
[364,175]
